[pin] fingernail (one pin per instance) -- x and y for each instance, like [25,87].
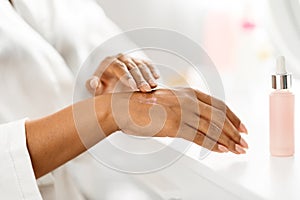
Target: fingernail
[132,84]
[222,148]
[152,83]
[94,83]
[244,143]
[156,75]
[145,88]
[243,129]
[239,149]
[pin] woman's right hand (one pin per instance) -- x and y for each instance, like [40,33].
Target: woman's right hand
[135,74]
[183,113]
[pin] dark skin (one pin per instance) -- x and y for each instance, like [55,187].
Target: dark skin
[54,139]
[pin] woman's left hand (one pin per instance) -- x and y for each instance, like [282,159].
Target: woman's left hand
[134,74]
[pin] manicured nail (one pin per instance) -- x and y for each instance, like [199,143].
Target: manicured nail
[244,143]
[145,88]
[152,83]
[243,129]
[239,149]
[156,75]
[132,84]
[94,82]
[222,148]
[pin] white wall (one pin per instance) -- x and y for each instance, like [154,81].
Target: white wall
[183,16]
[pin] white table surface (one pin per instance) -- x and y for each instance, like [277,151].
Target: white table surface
[256,172]
[253,176]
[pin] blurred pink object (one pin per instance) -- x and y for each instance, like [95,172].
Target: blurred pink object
[220,38]
[248,25]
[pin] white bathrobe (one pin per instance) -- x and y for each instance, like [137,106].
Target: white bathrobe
[42,45]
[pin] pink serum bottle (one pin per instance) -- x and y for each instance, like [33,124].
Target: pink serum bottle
[282,102]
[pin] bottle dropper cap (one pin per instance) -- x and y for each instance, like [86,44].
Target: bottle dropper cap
[281,80]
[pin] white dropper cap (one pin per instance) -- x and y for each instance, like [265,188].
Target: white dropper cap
[280,65]
[281,80]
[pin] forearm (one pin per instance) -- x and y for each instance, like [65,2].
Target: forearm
[55,139]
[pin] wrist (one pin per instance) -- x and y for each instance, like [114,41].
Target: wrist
[104,114]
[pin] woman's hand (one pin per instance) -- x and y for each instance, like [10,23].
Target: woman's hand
[132,72]
[183,113]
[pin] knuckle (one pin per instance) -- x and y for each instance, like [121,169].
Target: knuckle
[218,115]
[141,66]
[218,118]
[118,63]
[225,139]
[109,57]
[208,143]
[213,131]
[206,110]
[130,64]
[138,61]
[120,55]
[118,66]
[126,61]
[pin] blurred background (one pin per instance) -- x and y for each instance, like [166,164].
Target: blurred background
[237,36]
[234,33]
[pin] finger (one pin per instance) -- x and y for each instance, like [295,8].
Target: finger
[221,106]
[196,136]
[213,143]
[136,74]
[93,82]
[145,72]
[93,85]
[152,69]
[243,128]
[139,80]
[208,143]
[217,134]
[122,73]
[218,118]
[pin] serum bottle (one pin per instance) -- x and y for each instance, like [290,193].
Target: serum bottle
[282,102]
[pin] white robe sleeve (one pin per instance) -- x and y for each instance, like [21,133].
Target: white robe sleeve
[74,28]
[17,177]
